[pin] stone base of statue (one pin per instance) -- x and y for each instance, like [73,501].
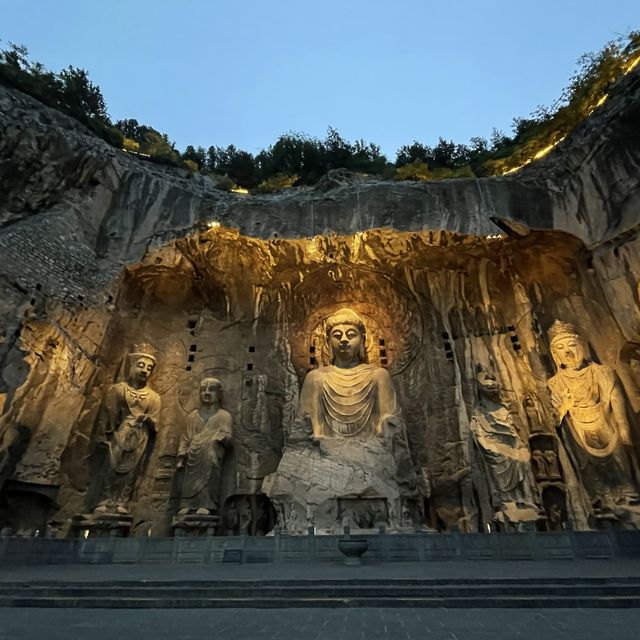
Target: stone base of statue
[622,516]
[101,525]
[333,482]
[194,525]
[519,516]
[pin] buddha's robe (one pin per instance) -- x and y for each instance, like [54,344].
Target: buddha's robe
[348,402]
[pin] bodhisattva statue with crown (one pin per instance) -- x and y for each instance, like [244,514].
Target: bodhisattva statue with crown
[348,411]
[587,396]
[130,417]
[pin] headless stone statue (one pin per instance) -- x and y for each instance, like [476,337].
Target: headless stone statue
[587,399]
[202,449]
[130,417]
[506,456]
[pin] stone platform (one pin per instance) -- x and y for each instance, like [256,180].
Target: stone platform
[283,549]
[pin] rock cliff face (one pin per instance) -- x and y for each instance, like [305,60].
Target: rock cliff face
[99,249]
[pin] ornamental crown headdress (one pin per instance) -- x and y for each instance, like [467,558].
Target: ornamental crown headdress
[143,349]
[562,330]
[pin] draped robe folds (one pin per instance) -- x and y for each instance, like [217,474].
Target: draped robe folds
[202,445]
[348,401]
[592,406]
[127,439]
[506,456]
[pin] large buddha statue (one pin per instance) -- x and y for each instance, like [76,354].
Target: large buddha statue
[587,398]
[348,397]
[348,450]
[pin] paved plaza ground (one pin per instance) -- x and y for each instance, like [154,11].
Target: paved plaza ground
[325,624]
[312,624]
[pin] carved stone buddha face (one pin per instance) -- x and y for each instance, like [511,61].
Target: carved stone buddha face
[345,341]
[141,369]
[210,391]
[346,338]
[569,351]
[488,386]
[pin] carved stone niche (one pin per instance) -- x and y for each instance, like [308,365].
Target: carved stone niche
[363,513]
[555,507]
[247,515]
[544,459]
[25,508]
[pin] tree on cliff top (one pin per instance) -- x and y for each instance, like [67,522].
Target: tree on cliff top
[69,90]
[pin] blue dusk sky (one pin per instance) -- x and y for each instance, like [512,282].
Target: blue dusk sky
[387,71]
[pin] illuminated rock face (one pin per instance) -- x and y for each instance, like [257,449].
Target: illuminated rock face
[100,251]
[367,417]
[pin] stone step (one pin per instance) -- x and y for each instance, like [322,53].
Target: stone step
[312,591]
[514,592]
[505,601]
[328,582]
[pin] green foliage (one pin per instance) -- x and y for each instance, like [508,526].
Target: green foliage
[191,165]
[298,159]
[225,183]
[416,170]
[150,142]
[277,182]
[197,157]
[534,135]
[420,171]
[128,144]
[69,90]
[310,158]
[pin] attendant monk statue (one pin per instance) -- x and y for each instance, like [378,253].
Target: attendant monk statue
[202,449]
[348,397]
[587,397]
[129,421]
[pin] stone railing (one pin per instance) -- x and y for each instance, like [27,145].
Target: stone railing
[419,547]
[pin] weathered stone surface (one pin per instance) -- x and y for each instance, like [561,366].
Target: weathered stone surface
[99,249]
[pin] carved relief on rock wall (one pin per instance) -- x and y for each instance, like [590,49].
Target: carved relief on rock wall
[404,436]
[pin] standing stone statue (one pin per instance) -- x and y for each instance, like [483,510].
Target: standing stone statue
[130,417]
[587,399]
[534,415]
[506,456]
[202,449]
